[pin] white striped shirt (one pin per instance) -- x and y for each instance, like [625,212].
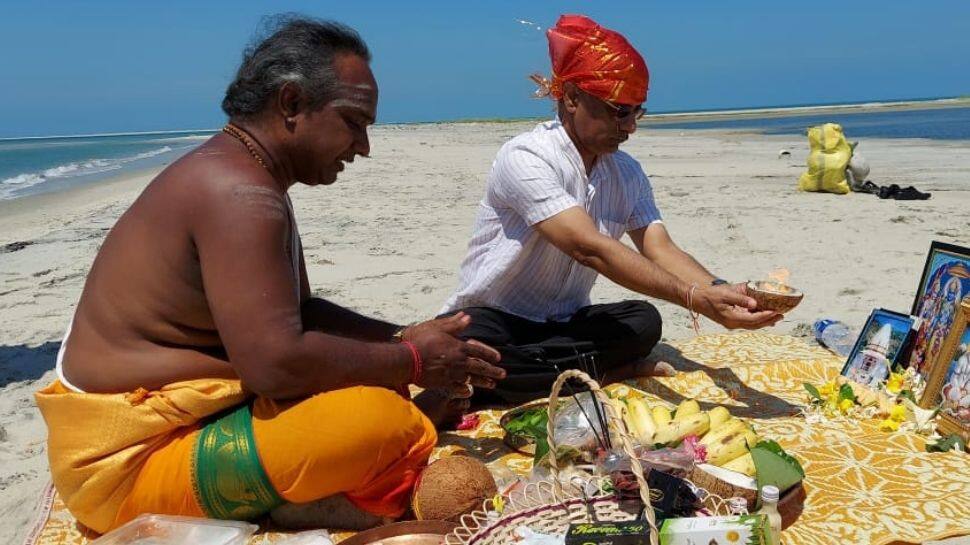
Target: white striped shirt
[536,175]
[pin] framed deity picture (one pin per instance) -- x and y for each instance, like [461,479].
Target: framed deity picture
[949,382]
[879,348]
[944,285]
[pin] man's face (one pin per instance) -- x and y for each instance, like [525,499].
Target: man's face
[597,125]
[326,138]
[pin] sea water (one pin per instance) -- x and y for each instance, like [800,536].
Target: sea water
[935,124]
[38,165]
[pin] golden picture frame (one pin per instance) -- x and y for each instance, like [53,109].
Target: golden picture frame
[949,378]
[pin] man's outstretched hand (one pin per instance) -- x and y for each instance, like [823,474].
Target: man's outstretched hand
[730,306]
[452,325]
[451,363]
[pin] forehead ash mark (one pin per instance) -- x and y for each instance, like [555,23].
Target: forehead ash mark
[360,96]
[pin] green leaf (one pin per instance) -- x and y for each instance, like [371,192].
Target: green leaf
[845,392]
[947,444]
[532,423]
[908,394]
[542,449]
[776,467]
[529,422]
[813,391]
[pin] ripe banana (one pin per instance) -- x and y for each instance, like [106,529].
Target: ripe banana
[631,424]
[618,406]
[730,447]
[731,426]
[645,426]
[687,407]
[742,464]
[674,432]
[661,415]
[719,415]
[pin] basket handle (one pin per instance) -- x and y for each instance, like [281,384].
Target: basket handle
[614,423]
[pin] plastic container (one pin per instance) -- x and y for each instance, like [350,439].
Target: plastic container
[170,530]
[834,335]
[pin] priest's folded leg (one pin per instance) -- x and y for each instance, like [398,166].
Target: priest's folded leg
[362,447]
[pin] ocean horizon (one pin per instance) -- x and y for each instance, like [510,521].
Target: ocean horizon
[41,164]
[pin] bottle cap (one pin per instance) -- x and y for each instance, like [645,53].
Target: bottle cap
[738,506]
[769,493]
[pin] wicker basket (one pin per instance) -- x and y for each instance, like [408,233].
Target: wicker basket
[549,506]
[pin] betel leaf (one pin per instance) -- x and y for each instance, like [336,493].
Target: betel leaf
[542,449]
[774,466]
[532,423]
[813,391]
[908,394]
[530,420]
[845,392]
[947,444]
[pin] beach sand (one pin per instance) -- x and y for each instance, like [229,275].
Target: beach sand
[388,237]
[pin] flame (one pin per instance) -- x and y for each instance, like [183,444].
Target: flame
[779,276]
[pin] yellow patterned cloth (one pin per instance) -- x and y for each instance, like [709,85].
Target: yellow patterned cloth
[863,485]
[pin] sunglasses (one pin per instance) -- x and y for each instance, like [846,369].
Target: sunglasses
[622,112]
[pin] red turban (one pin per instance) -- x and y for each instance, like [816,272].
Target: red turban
[598,60]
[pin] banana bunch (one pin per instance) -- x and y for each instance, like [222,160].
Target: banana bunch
[726,439]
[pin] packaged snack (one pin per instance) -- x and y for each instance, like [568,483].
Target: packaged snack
[733,530]
[609,533]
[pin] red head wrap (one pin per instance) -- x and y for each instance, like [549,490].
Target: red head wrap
[598,60]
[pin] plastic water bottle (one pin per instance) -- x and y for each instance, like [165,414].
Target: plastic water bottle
[834,335]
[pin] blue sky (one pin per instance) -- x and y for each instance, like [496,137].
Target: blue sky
[86,67]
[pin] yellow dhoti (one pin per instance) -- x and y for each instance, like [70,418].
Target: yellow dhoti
[114,456]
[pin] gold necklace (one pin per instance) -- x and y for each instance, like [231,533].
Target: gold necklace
[246,140]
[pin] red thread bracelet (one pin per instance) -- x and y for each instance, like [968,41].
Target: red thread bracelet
[694,315]
[416,364]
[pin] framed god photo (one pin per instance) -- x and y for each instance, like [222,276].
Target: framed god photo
[949,382]
[879,348]
[945,284]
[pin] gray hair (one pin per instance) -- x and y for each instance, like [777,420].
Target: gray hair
[300,50]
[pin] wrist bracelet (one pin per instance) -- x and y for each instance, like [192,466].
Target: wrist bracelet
[398,335]
[694,316]
[416,363]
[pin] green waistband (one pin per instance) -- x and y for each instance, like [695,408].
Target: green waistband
[230,482]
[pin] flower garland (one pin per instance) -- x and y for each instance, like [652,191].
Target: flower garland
[894,403]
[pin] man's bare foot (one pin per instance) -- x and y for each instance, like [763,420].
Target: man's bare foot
[647,368]
[445,413]
[639,369]
[330,512]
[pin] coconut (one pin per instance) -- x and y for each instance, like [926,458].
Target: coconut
[726,483]
[452,487]
[774,296]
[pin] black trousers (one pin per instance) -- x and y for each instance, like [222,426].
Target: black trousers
[596,339]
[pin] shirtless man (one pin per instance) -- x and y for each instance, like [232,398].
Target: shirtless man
[199,377]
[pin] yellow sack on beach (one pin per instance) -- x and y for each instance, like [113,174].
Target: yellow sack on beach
[827,159]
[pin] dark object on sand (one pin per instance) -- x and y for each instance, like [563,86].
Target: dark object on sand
[412,532]
[902,194]
[893,192]
[15,246]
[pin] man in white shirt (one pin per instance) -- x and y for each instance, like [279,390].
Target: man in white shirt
[557,201]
